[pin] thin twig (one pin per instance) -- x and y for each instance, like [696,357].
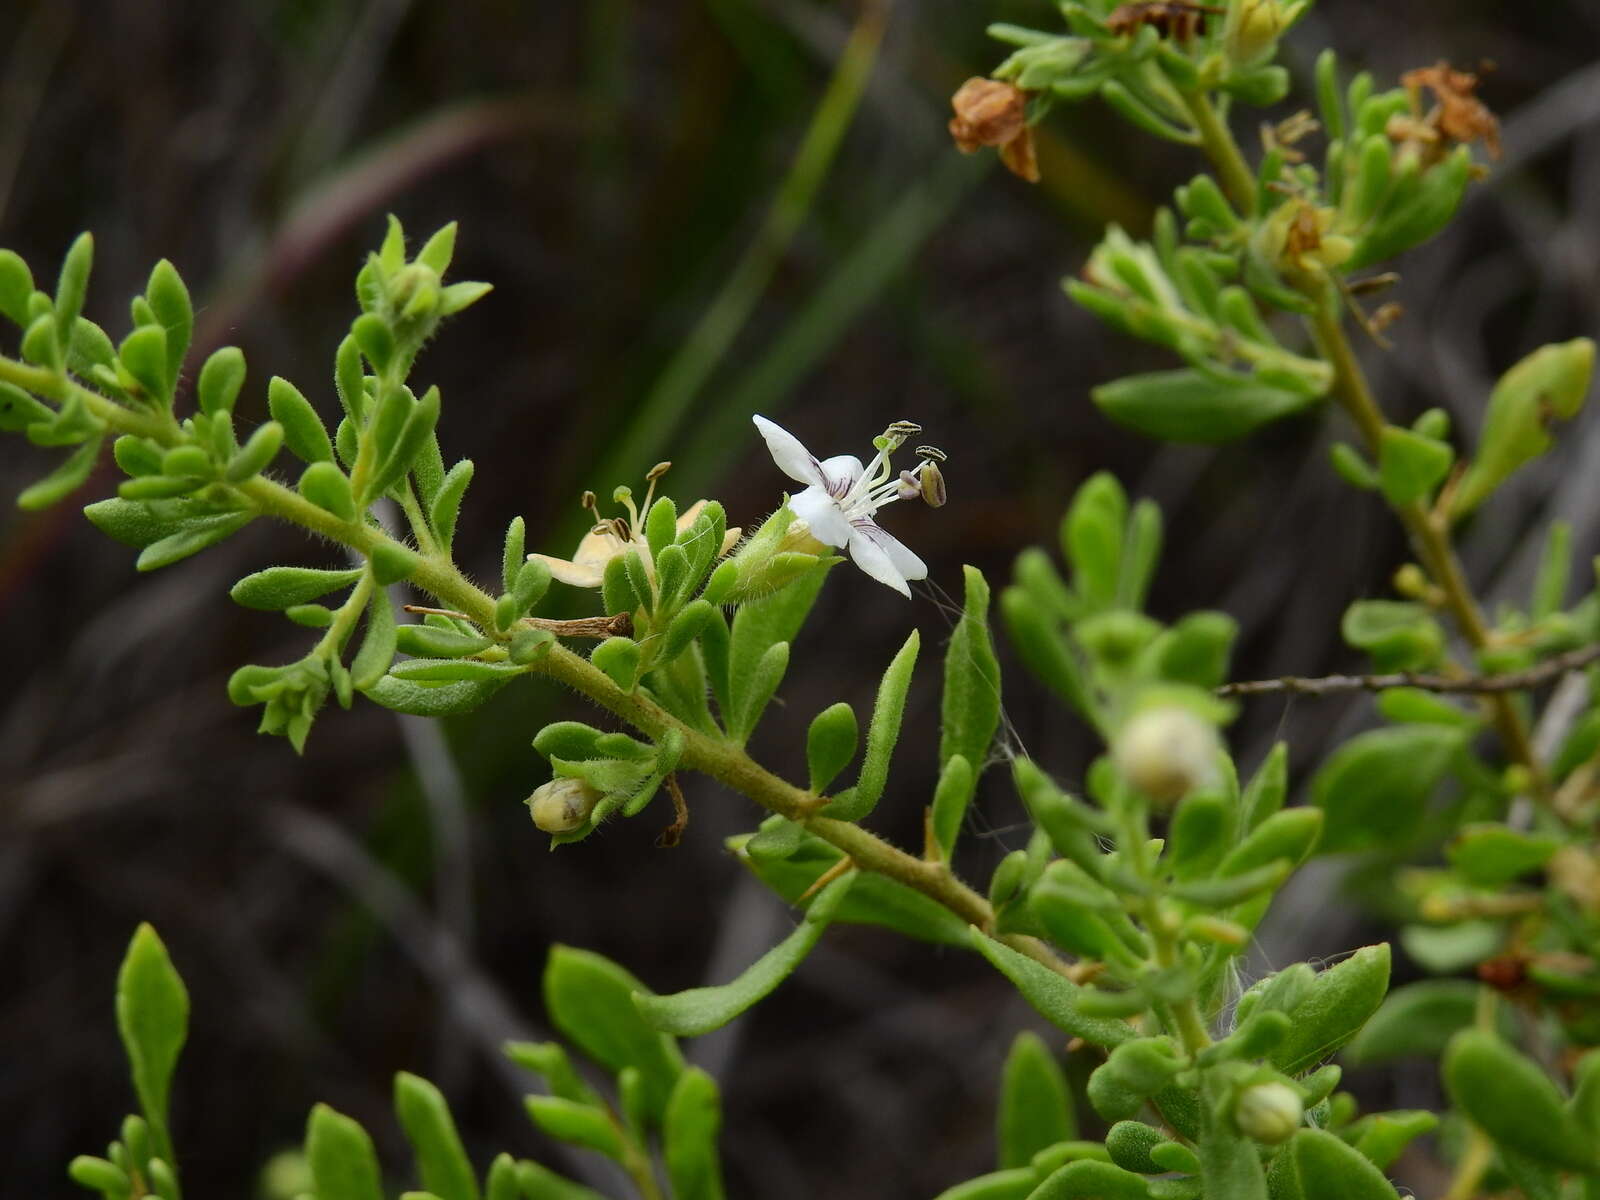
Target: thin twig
[1511,681]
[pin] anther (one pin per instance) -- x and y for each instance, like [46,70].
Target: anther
[931,454]
[932,483]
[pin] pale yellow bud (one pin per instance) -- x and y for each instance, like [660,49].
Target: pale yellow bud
[562,805]
[1166,753]
[1268,1112]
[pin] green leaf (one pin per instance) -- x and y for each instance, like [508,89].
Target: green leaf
[689,1138]
[882,735]
[16,285]
[1129,1144]
[392,562]
[1199,834]
[256,453]
[1374,789]
[1400,636]
[343,1163]
[169,300]
[971,707]
[958,783]
[1416,1020]
[278,588]
[1491,855]
[73,285]
[18,410]
[303,431]
[701,1010]
[590,1000]
[1382,1137]
[581,1124]
[439,249]
[1411,465]
[144,354]
[1016,1184]
[1091,539]
[413,439]
[440,670]
[378,646]
[447,504]
[540,1184]
[220,381]
[1191,406]
[99,1175]
[661,526]
[429,641]
[457,296]
[514,554]
[1290,835]
[441,1159]
[1196,650]
[1340,1001]
[326,486]
[831,743]
[1317,1165]
[501,1182]
[67,478]
[1511,1099]
[618,657]
[760,625]
[874,900]
[432,700]
[1090,1180]
[1267,788]
[1550,384]
[153,1018]
[1044,650]
[1054,996]
[196,536]
[1035,1105]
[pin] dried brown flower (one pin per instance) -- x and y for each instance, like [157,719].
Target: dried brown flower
[1457,114]
[991,112]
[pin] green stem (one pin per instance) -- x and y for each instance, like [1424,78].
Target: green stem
[1429,531]
[1217,140]
[439,577]
[412,507]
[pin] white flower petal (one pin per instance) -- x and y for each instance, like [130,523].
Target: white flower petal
[842,471]
[906,562]
[820,511]
[582,575]
[875,561]
[793,459]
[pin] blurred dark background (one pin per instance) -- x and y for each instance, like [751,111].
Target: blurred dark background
[383,903]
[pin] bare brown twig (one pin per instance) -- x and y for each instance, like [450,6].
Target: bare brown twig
[1327,685]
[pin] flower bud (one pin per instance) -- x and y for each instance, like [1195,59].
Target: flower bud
[1253,30]
[562,805]
[1166,752]
[1268,1112]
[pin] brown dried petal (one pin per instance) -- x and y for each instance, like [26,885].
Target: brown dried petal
[1020,157]
[988,112]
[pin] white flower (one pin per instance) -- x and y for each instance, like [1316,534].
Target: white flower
[842,498]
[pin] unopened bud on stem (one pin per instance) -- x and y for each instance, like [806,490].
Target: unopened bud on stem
[1268,1112]
[562,805]
[1166,752]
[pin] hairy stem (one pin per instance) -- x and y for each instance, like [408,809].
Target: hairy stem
[439,576]
[1429,531]
[1217,140]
